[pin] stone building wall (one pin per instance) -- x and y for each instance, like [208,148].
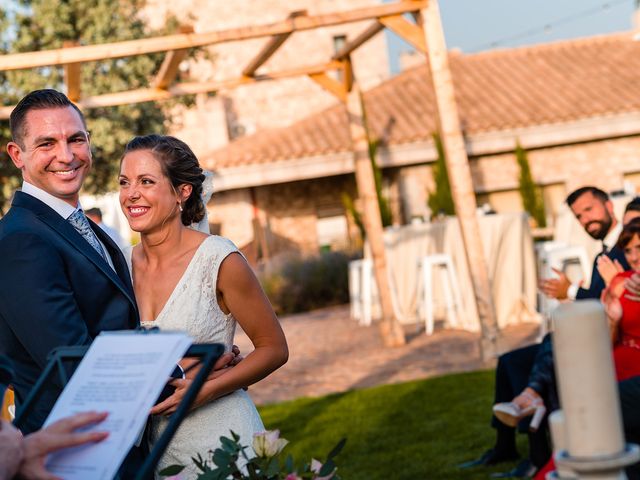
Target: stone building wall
[289,213]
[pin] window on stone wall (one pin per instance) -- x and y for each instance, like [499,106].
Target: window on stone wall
[215,228]
[632,182]
[503,201]
[339,41]
[332,228]
[506,201]
[554,196]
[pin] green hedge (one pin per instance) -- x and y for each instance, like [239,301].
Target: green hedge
[299,284]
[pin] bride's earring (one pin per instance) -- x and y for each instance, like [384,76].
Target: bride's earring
[180,206]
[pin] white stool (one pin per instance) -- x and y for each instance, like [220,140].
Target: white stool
[558,256]
[450,289]
[361,290]
[355,305]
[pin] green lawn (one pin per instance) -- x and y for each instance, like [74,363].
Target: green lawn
[415,430]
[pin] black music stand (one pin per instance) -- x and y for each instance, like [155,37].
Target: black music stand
[61,357]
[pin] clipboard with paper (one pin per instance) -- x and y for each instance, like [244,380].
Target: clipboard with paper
[123,374]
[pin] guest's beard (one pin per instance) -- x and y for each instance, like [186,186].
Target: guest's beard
[601,232]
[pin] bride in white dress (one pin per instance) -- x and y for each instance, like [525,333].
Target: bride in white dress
[187,280]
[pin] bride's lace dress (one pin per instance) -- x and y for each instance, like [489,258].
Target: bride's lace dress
[193,307]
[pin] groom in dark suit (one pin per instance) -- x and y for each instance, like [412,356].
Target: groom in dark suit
[62,279]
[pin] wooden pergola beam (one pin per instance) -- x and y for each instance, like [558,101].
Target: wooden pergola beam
[373,29]
[271,47]
[181,41]
[169,69]
[187,88]
[410,32]
[331,85]
[171,63]
[267,51]
[72,75]
[347,73]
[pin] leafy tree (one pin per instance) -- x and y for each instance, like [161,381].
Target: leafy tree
[530,193]
[441,201]
[46,24]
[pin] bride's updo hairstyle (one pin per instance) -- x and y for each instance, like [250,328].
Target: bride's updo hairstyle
[180,166]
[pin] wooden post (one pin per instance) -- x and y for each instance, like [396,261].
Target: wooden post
[460,176]
[390,329]
[72,74]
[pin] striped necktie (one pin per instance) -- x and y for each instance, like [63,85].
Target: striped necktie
[81,224]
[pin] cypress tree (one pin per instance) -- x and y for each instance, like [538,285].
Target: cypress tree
[531,195]
[440,200]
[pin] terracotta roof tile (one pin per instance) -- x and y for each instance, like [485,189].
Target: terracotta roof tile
[496,90]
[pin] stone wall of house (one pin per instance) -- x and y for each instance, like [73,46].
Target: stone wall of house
[288,212]
[242,111]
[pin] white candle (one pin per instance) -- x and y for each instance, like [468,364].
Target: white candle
[559,437]
[586,380]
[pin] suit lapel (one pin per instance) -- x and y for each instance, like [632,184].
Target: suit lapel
[66,230]
[119,262]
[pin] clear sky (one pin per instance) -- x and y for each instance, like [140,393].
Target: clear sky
[476,25]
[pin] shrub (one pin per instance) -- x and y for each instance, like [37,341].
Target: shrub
[299,284]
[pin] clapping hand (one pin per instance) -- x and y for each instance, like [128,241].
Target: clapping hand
[608,268]
[613,310]
[556,287]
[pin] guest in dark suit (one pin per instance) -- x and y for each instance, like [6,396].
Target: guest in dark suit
[62,279]
[594,210]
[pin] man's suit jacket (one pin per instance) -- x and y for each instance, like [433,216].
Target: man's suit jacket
[597,283]
[55,290]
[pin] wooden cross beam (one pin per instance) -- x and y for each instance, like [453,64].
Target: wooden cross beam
[352,45]
[188,88]
[171,63]
[332,85]
[410,32]
[272,45]
[180,41]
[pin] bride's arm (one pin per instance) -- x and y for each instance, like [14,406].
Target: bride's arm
[243,297]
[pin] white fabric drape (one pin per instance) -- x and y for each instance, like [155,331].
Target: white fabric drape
[508,247]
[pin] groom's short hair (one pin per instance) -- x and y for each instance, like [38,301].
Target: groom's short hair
[37,100]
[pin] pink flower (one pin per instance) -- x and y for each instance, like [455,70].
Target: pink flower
[268,444]
[292,476]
